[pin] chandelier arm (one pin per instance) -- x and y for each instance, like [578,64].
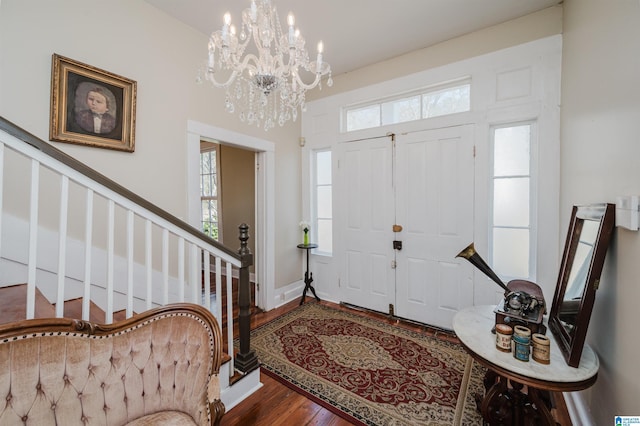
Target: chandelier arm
[211,77]
[304,85]
[250,62]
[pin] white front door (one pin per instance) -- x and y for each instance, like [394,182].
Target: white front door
[366,212]
[424,184]
[435,193]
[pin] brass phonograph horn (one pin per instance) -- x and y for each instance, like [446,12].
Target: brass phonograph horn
[472,256]
[523,300]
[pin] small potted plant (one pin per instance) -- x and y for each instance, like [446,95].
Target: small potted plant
[304,225]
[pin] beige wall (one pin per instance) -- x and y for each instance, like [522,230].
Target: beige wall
[530,27]
[600,125]
[137,41]
[600,157]
[237,181]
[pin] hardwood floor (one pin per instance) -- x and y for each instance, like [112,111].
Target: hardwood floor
[276,404]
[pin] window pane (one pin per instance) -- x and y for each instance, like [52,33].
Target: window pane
[401,110]
[214,186]
[324,202]
[325,238]
[363,118]
[512,150]
[204,164]
[511,252]
[446,101]
[511,202]
[210,218]
[323,168]
[209,192]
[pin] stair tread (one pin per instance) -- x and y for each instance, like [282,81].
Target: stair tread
[14,304]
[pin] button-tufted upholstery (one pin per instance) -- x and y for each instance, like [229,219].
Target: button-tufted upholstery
[159,367]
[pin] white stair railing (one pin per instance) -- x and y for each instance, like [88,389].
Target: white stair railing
[173,259]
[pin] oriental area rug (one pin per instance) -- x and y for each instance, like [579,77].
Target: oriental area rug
[369,371]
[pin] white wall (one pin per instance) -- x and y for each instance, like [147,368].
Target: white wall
[600,158]
[133,39]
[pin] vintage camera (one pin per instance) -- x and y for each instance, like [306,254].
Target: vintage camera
[523,302]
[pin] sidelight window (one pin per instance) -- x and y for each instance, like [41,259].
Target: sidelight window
[322,232]
[512,201]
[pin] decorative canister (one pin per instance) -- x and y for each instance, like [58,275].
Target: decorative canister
[521,342]
[541,348]
[503,337]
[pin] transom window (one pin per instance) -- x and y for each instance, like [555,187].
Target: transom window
[433,102]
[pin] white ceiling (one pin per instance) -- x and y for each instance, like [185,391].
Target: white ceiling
[357,33]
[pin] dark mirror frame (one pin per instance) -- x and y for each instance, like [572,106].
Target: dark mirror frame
[571,345]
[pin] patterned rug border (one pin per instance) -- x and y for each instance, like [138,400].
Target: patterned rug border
[343,413]
[465,399]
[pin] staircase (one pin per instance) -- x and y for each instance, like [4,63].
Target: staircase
[73,243]
[13,307]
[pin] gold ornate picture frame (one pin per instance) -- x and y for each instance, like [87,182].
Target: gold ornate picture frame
[90,106]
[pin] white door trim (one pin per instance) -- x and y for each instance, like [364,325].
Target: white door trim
[264,261]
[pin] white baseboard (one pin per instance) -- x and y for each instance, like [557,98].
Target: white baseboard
[578,409]
[239,391]
[286,294]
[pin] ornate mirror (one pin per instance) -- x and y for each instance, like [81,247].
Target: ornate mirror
[587,241]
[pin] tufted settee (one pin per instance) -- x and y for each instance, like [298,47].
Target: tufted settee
[159,367]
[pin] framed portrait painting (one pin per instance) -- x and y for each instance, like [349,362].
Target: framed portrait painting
[90,106]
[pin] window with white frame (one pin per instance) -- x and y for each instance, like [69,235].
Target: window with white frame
[209,189]
[512,201]
[322,230]
[422,104]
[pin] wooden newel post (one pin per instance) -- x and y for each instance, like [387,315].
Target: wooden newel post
[246,359]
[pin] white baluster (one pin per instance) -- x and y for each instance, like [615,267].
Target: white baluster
[219,288]
[130,264]
[88,248]
[148,262]
[62,245]
[165,266]
[181,269]
[196,275]
[230,314]
[33,239]
[111,226]
[207,279]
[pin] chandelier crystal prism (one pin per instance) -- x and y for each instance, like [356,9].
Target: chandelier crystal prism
[263,80]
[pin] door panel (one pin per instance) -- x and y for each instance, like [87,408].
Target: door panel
[435,178]
[366,201]
[431,197]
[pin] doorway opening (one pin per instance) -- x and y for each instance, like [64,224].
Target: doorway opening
[261,212]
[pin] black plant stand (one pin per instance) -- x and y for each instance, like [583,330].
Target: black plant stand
[308,276]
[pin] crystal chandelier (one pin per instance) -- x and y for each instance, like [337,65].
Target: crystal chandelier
[264,81]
